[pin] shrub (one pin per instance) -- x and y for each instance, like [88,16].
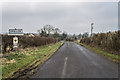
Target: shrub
[26,41]
[109,41]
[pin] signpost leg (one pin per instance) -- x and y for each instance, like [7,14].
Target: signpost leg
[15,41]
[15,50]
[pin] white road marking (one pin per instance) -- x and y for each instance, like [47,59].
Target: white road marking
[64,67]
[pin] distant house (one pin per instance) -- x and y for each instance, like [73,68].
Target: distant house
[31,35]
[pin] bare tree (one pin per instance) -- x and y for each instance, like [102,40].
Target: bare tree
[48,29]
[57,31]
[64,35]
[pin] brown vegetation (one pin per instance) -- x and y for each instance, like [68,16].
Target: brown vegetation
[25,42]
[107,41]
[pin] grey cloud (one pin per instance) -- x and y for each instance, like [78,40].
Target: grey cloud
[70,17]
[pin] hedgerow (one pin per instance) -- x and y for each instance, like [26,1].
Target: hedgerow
[108,41]
[25,42]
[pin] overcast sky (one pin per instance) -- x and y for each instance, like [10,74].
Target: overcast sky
[74,18]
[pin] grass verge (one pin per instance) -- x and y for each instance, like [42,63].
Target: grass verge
[26,59]
[110,56]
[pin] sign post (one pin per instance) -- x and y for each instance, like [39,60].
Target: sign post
[15,42]
[15,39]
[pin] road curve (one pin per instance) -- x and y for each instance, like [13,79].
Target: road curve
[75,61]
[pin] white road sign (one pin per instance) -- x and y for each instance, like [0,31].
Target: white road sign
[15,32]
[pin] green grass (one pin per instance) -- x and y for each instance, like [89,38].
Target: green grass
[112,57]
[23,59]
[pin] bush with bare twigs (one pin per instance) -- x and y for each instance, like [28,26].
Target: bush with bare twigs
[25,41]
[108,41]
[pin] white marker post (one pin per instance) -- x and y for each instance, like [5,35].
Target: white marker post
[15,32]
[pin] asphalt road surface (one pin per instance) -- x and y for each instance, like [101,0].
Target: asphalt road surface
[75,61]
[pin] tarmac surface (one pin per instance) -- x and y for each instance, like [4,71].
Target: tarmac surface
[75,61]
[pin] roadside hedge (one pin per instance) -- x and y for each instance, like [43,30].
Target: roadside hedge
[25,41]
[109,41]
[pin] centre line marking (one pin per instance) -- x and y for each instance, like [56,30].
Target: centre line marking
[64,67]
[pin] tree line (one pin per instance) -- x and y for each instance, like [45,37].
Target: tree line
[50,31]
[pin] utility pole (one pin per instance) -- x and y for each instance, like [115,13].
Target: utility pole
[92,28]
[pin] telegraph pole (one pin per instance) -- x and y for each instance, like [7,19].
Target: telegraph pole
[92,28]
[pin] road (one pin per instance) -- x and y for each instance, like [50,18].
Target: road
[75,61]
